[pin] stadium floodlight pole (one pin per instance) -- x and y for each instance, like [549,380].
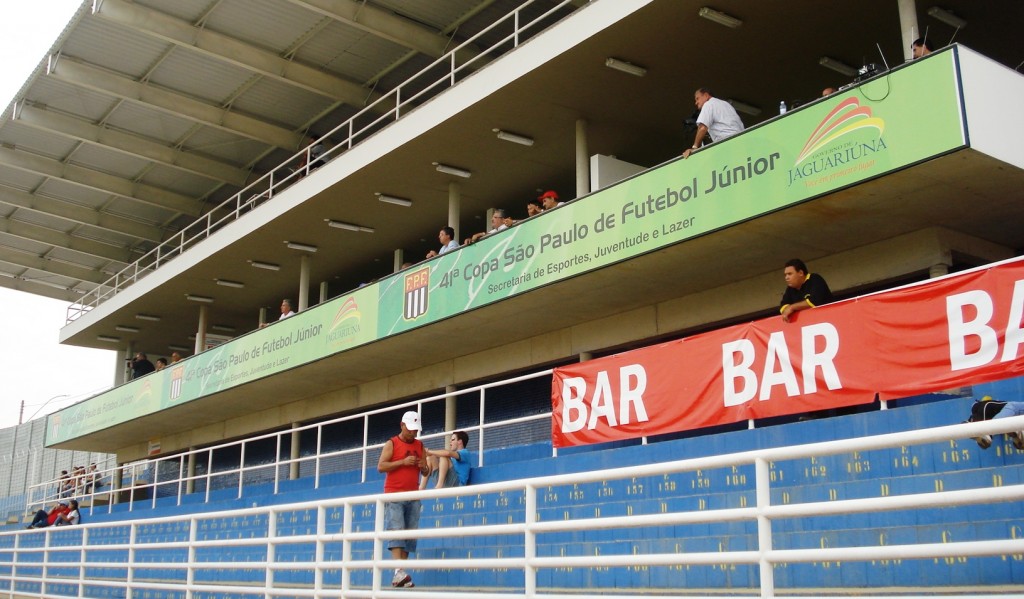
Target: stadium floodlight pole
[40,407]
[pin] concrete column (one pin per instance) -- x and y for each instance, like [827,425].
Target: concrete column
[582,159]
[303,284]
[190,486]
[450,411]
[263,316]
[454,207]
[201,330]
[293,468]
[323,291]
[938,270]
[399,260]
[908,26]
[115,484]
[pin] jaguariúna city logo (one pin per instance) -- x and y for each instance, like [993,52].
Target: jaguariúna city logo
[417,286]
[177,380]
[346,322]
[842,144]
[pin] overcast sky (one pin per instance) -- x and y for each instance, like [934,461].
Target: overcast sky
[33,366]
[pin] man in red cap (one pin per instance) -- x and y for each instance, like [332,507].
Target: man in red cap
[549,199]
[402,460]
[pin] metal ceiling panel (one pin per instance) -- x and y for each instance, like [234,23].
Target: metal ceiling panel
[146,213]
[187,10]
[174,180]
[64,97]
[148,122]
[201,76]
[23,246]
[36,141]
[437,15]
[134,54]
[102,236]
[101,159]
[40,218]
[350,52]
[75,258]
[269,24]
[19,179]
[225,146]
[75,194]
[281,103]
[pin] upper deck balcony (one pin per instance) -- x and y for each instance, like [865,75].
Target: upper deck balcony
[879,182]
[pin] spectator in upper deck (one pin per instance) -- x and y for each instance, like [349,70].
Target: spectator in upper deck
[141,366]
[804,290]
[447,238]
[533,208]
[497,224]
[921,47]
[161,363]
[549,199]
[717,118]
[175,357]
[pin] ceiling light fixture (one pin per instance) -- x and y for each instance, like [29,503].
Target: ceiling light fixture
[224,328]
[305,247]
[393,199]
[178,348]
[514,137]
[264,265]
[227,283]
[744,108]
[946,17]
[452,170]
[149,317]
[202,299]
[719,17]
[108,338]
[837,66]
[625,67]
[337,224]
[126,329]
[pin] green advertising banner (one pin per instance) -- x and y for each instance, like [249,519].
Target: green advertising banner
[336,326]
[904,117]
[897,120]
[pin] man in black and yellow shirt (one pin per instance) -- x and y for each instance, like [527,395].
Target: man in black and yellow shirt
[803,290]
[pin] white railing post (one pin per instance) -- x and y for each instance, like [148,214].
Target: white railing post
[530,541]
[346,550]
[483,413]
[319,553]
[190,572]
[762,486]
[319,446]
[181,475]
[241,469]
[366,447]
[130,563]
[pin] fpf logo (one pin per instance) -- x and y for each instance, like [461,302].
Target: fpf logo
[177,379]
[417,287]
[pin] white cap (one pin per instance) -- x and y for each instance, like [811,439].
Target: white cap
[411,420]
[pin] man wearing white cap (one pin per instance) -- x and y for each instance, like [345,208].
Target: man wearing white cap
[402,460]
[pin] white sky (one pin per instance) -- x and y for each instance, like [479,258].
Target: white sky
[34,368]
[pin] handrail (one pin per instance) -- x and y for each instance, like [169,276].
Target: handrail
[263,189]
[46,493]
[50,558]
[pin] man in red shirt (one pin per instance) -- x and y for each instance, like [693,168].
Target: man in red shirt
[402,460]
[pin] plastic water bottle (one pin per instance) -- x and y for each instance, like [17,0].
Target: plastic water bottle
[782,107]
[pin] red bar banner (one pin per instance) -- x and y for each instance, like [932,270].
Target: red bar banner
[935,335]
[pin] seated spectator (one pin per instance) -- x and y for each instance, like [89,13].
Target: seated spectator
[64,484]
[990,409]
[450,467]
[497,224]
[43,519]
[828,91]
[534,207]
[447,238]
[69,518]
[175,357]
[92,478]
[161,363]
[315,155]
[921,47]
[286,311]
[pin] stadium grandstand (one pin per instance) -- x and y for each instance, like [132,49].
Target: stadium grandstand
[187,174]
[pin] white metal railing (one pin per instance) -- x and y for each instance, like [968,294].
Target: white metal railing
[388,107]
[55,561]
[142,480]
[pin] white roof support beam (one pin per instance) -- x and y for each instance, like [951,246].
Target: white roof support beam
[234,51]
[25,260]
[134,145]
[385,24]
[180,105]
[140,192]
[88,247]
[81,215]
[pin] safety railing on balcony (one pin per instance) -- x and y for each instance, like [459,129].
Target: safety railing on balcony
[388,108]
